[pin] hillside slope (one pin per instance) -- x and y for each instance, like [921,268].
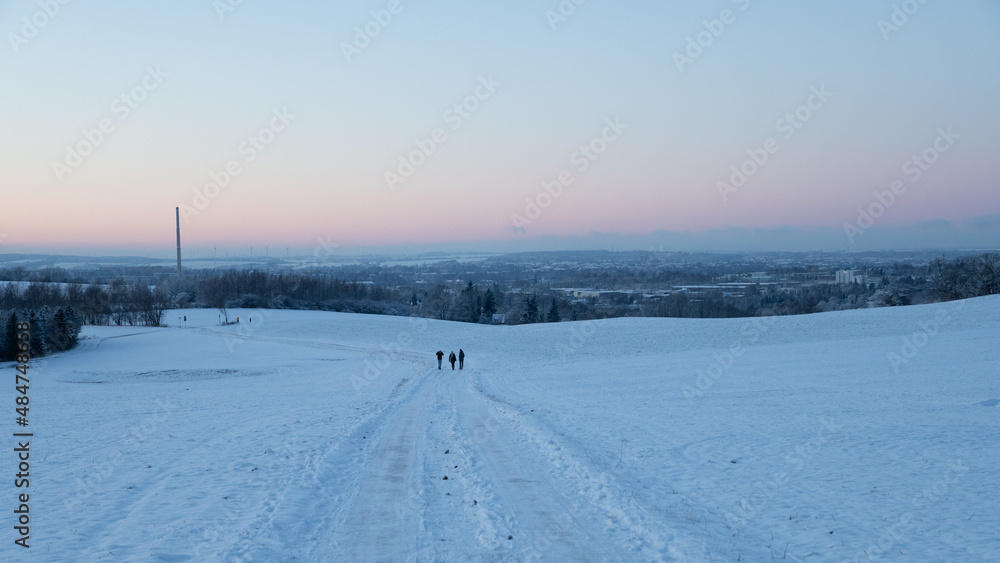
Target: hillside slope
[327,437]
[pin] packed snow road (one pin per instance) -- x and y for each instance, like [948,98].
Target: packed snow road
[436,468]
[860,436]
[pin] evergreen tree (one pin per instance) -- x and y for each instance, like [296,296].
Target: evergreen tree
[468,305]
[554,312]
[530,312]
[62,330]
[8,348]
[489,304]
[73,326]
[39,344]
[57,333]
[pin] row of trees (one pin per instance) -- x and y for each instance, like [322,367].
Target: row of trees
[963,278]
[118,303]
[252,289]
[469,306]
[57,310]
[531,314]
[473,305]
[51,330]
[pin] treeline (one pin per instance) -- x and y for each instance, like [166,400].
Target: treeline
[964,278]
[51,330]
[118,303]
[256,289]
[476,305]
[57,311]
[471,305]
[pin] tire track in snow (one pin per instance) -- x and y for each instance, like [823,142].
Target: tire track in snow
[371,528]
[594,491]
[458,508]
[548,520]
[304,511]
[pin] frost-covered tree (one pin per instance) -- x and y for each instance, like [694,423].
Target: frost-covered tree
[62,330]
[38,332]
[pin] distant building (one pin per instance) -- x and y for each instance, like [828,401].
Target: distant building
[499,319]
[848,277]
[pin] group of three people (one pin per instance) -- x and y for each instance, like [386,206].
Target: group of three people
[452,358]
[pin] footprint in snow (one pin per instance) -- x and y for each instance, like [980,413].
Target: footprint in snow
[991,403]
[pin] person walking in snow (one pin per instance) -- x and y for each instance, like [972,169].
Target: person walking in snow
[461,358]
[440,355]
[452,358]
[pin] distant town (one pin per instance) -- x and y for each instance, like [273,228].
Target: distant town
[500,289]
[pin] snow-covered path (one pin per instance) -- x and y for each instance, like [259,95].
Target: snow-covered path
[437,466]
[312,436]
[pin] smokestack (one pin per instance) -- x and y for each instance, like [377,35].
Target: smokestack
[178,212]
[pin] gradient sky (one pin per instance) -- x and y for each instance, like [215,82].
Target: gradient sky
[323,177]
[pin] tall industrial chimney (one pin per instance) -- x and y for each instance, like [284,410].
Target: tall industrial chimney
[178,212]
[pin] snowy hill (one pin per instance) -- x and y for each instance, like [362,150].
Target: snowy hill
[310,436]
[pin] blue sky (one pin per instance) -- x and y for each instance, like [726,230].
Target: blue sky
[221,76]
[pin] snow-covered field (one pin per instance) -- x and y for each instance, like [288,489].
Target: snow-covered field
[870,435]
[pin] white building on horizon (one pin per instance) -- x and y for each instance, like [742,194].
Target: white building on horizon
[848,277]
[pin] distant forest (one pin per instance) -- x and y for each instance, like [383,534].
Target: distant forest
[57,304]
[58,309]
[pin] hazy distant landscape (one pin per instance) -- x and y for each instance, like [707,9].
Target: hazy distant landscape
[506,289]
